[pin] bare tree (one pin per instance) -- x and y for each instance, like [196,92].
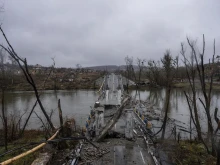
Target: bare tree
[129,70]
[140,64]
[169,70]
[191,75]
[44,83]
[24,67]
[177,66]
[169,66]
[3,86]
[27,120]
[79,68]
[206,102]
[197,66]
[153,72]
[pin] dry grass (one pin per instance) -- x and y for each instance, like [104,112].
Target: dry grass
[187,153]
[29,136]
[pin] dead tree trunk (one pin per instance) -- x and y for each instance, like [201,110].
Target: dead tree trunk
[218,154]
[206,91]
[60,113]
[205,98]
[4,121]
[3,87]
[167,102]
[191,74]
[217,120]
[169,65]
[140,64]
[27,120]
[24,67]
[129,70]
[60,116]
[25,124]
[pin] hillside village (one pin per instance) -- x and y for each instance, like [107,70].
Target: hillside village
[50,78]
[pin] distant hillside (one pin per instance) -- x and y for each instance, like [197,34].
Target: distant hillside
[110,67]
[104,67]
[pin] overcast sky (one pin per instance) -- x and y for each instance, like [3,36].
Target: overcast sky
[100,32]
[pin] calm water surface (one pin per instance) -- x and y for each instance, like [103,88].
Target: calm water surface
[76,103]
[178,109]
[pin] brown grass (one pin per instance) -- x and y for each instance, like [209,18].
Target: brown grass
[187,153]
[29,136]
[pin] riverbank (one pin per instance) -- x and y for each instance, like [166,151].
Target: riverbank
[82,81]
[29,137]
[32,140]
[59,86]
[186,85]
[181,85]
[184,152]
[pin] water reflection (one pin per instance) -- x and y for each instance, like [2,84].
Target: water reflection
[178,108]
[76,103]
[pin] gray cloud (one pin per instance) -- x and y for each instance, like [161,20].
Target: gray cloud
[98,32]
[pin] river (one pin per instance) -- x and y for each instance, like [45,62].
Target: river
[76,103]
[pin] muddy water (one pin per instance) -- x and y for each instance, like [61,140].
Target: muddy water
[76,103]
[178,109]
